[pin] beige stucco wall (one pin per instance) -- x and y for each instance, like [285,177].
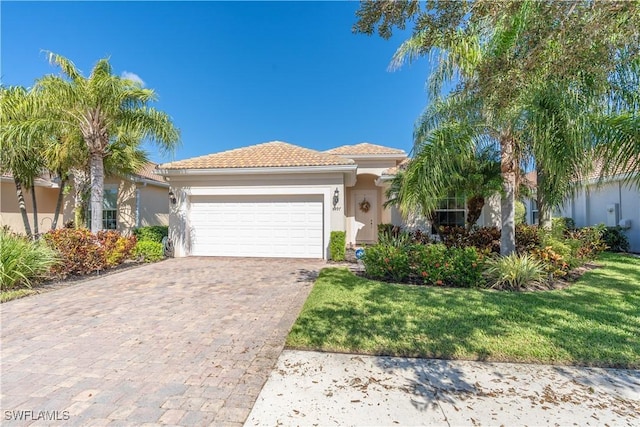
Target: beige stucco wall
[154,205]
[46,198]
[153,202]
[184,187]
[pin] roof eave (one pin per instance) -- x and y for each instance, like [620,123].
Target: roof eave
[141,180]
[168,172]
[398,156]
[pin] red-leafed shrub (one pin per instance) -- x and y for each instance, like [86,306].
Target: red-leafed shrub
[527,238]
[482,238]
[82,252]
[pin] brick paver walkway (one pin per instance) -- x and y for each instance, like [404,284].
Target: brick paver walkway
[186,341]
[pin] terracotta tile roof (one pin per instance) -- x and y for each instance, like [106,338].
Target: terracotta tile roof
[268,155]
[148,171]
[364,149]
[400,166]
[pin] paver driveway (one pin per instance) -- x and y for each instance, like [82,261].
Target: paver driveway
[186,341]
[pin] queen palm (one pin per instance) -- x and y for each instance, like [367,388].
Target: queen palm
[451,156]
[464,119]
[107,111]
[20,152]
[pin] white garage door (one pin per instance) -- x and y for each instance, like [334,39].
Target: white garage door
[257,226]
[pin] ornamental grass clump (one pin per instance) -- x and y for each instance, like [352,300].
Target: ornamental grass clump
[514,272]
[23,261]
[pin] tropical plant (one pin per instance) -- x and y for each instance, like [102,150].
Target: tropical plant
[514,272]
[109,112]
[536,82]
[20,152]
[615,239]
[23,260]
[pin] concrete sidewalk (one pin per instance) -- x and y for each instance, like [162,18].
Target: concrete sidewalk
[311,388]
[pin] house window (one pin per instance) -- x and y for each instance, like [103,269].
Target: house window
[534,212]
[110,209]
[452,211]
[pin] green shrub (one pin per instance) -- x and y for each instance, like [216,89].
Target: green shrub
[615,239]
[432,264]
[514,272]
[152,233]
[467,265]
[23,260]
[429,264]
[560,226]
[148,251]
[80,251]
[386,262]
[337,245]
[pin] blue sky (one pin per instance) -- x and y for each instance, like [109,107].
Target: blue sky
[232,74]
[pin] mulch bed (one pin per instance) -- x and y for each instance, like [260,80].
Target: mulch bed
[59,283]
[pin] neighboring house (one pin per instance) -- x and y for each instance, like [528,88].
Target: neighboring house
[47,190]
[611,202]
[281,200]
[131,201]
[137,200]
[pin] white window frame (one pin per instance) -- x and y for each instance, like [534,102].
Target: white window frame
[110,223]
[451,204]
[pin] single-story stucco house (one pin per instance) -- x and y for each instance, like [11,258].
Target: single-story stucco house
[611,201]
[280,200]
[131,201]
[47,190]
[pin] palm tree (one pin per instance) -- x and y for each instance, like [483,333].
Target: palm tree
[452,155]
[462,55]
[549,121]
[20,152]
[107,110]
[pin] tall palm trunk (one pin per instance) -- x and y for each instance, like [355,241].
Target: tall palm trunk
[23,207]
[79,177]
[97,191]
[35,211]
[54,223]
[508,201]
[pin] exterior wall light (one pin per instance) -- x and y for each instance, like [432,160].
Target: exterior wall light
[336,198]
[172,197]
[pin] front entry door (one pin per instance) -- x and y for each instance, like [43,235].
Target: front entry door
[366,215]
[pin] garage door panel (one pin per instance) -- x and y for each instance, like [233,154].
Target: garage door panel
[240,226]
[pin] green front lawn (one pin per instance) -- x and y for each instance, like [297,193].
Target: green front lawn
[596,321]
